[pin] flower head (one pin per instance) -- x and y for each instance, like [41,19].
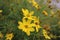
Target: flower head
[37,24]
[9,36]
[45,13]
[26,26]
[35,4]
[27,14]
[46,34]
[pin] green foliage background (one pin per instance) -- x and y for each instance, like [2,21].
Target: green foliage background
[12,14]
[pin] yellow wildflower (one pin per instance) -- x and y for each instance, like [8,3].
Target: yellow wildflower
[1,35]
[26,26]
[0,11]
[45,13]
[35,4]
[9,36]
[37,24]
[27,14]
[46,34]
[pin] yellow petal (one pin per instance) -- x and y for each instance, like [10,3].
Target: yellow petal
[45,13]
[25,12]
[29,21]
[31,13]
[19,22]
[31,29]
[24,20]
[28,33]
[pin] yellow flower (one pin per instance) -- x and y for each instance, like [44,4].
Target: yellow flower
[46,34]
[27,14]
[9,36]
[1,35]
[45,13]
[37,24]
[26,26]
[0,11]
[35,4]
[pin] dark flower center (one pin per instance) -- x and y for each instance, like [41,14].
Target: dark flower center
[26,26]
[36,23]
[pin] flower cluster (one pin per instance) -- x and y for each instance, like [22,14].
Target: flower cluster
[29,22]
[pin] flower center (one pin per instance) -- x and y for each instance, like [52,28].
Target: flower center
[36,23]
[26,26]
[28,15]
